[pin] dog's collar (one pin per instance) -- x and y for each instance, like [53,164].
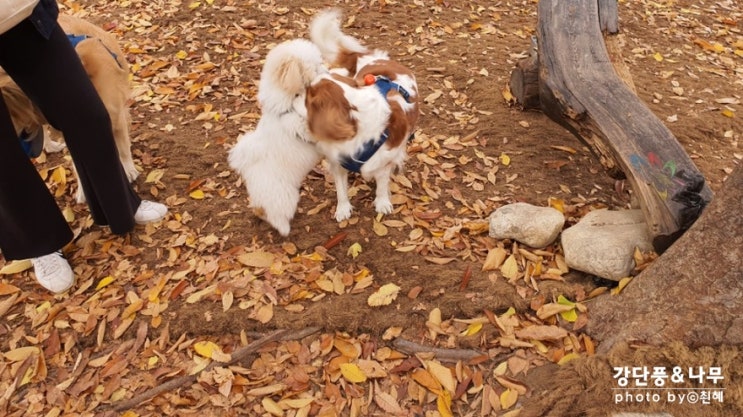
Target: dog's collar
[384,85]
[76,39]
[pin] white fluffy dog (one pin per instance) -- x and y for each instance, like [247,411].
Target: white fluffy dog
[274,159]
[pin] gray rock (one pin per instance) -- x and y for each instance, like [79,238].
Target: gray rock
[603,242]
[531,225]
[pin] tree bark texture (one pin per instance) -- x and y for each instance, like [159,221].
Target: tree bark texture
[580,89]
[693,293]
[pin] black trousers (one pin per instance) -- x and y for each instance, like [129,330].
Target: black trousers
[52,76]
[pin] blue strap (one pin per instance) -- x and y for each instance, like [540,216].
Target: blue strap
[76,39]
[355,162]
[384,85]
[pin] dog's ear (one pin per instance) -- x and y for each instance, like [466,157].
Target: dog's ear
[329,112]
[292,76]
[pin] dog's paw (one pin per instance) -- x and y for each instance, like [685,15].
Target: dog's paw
[343,212]
[130,169]
[80,195]
[383,206]
[51,146]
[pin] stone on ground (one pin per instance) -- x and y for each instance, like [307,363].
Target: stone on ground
[531,225]
[603,242]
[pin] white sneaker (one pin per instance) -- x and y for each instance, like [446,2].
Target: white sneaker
[149,212]
[53,272]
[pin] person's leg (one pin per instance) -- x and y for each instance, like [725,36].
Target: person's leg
[31,224]
[51,74]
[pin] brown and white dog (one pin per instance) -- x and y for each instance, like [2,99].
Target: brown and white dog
[108,70]
[361,114]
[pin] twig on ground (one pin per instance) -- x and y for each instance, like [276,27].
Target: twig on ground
[189,379]
[444,355]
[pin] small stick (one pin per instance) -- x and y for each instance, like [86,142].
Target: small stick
[444,355]
[189,379]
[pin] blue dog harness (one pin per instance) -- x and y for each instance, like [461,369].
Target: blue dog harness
[354,162]
[76,39]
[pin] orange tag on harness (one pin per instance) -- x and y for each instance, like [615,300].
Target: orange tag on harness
[369,79]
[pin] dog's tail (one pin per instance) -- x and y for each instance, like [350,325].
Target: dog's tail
[337,48]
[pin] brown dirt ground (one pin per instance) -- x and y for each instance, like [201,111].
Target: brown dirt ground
[477,108]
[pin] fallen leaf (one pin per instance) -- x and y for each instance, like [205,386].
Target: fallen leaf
[540,332]
[15,267]
[354,250]
[352,373]
[385,295]
[494,259]
[510,268]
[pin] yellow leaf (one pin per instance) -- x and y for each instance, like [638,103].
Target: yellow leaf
[501,369]
[567,358]
[59,176]
[557,204]
[508,96]
[197,194]
[68,214]
[622,283]
[473,328]
[154,176]
[354,250]
[508,398]
[510,268]
[152,361]
[352,373]
[564,301]
[570,315]
[129,413]
[15,267]
[181,54]
[194,5]
[508,313]
[104,282]
[728,113]
[206,348]
[658,57]
[443,404]
[505,159]
[385,295]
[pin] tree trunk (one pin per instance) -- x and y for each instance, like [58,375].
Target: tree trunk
[579,88]
[693,293]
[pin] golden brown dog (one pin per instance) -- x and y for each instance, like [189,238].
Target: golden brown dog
[107,68]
